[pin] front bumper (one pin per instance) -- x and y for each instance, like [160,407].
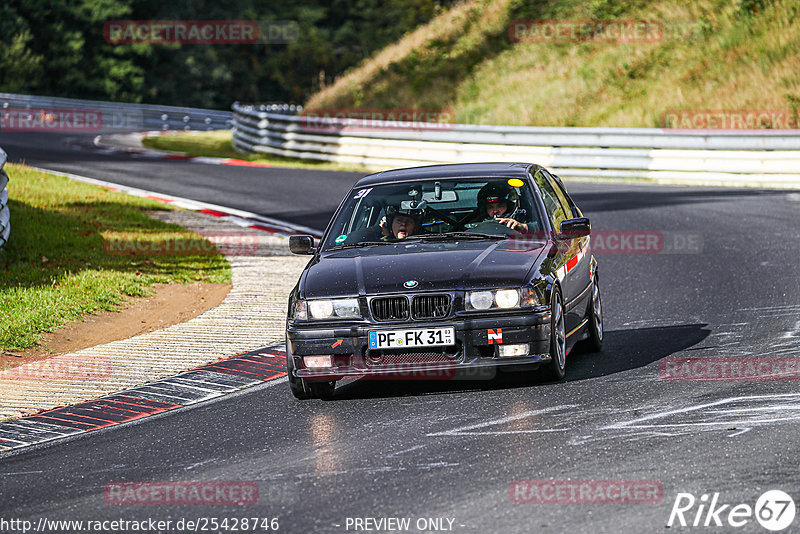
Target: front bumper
[475,349]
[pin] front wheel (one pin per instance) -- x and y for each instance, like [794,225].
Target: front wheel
[321,390]
[556,369]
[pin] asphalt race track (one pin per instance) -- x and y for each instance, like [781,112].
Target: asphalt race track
[248,188]
[452,450]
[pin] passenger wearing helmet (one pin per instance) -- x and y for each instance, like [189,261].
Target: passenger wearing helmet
[396,225]
[400,223]
[498,202]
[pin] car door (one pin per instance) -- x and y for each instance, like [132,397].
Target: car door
[578,263]
[569,251]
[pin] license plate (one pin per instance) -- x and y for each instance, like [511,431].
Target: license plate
[418,337]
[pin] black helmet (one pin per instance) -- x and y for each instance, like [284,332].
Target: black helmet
[496,192]
[392,211]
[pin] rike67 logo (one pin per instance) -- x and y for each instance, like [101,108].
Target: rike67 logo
[774,510]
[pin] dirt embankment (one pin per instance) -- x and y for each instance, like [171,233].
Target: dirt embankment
[170,304]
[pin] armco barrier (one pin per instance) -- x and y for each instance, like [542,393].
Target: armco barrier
[113,116]
[5,214]
[763,158]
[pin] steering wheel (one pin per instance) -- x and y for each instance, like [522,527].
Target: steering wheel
[457,225]
[491,226]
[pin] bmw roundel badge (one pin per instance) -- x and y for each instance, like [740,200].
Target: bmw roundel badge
[411,284]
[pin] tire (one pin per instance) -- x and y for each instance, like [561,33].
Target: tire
[556,368]
[321,390]
[594,343]
[304,389]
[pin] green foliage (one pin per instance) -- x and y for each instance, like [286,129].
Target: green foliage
[709,56]
[607,9]
[57,48]
[17,61]
[752,7]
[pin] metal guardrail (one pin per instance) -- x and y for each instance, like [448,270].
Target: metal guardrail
[27,113]
[768,158]
[113,116]
[5,214]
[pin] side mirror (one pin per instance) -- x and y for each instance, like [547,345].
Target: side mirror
[301,244]
[575,228]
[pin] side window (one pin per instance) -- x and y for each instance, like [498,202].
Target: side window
[529,214]
[562,196]
[364,215]
[555,209]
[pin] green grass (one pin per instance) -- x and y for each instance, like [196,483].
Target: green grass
[56,266]
[715,54]
[219,144]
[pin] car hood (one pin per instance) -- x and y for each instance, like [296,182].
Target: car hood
[435,266]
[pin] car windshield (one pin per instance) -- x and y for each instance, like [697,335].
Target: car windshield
[488,208]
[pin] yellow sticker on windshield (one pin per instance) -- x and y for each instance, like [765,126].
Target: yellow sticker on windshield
[515,182]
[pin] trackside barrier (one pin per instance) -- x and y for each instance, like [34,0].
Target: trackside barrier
[5,214]
[761,158]
[27,112]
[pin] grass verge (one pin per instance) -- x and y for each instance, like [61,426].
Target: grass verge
[58,265]
[710,55]
[219,144]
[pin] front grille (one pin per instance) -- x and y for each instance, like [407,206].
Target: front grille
[412,356]
[430,306]
[389,308]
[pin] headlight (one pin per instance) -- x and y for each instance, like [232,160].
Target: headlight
[346,308]
[328,309]
[480,300]
[320,309]
[503,299]
[507,298]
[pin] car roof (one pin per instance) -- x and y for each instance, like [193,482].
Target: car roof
[456,170]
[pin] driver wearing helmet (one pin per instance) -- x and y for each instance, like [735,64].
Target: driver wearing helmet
[498,202]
